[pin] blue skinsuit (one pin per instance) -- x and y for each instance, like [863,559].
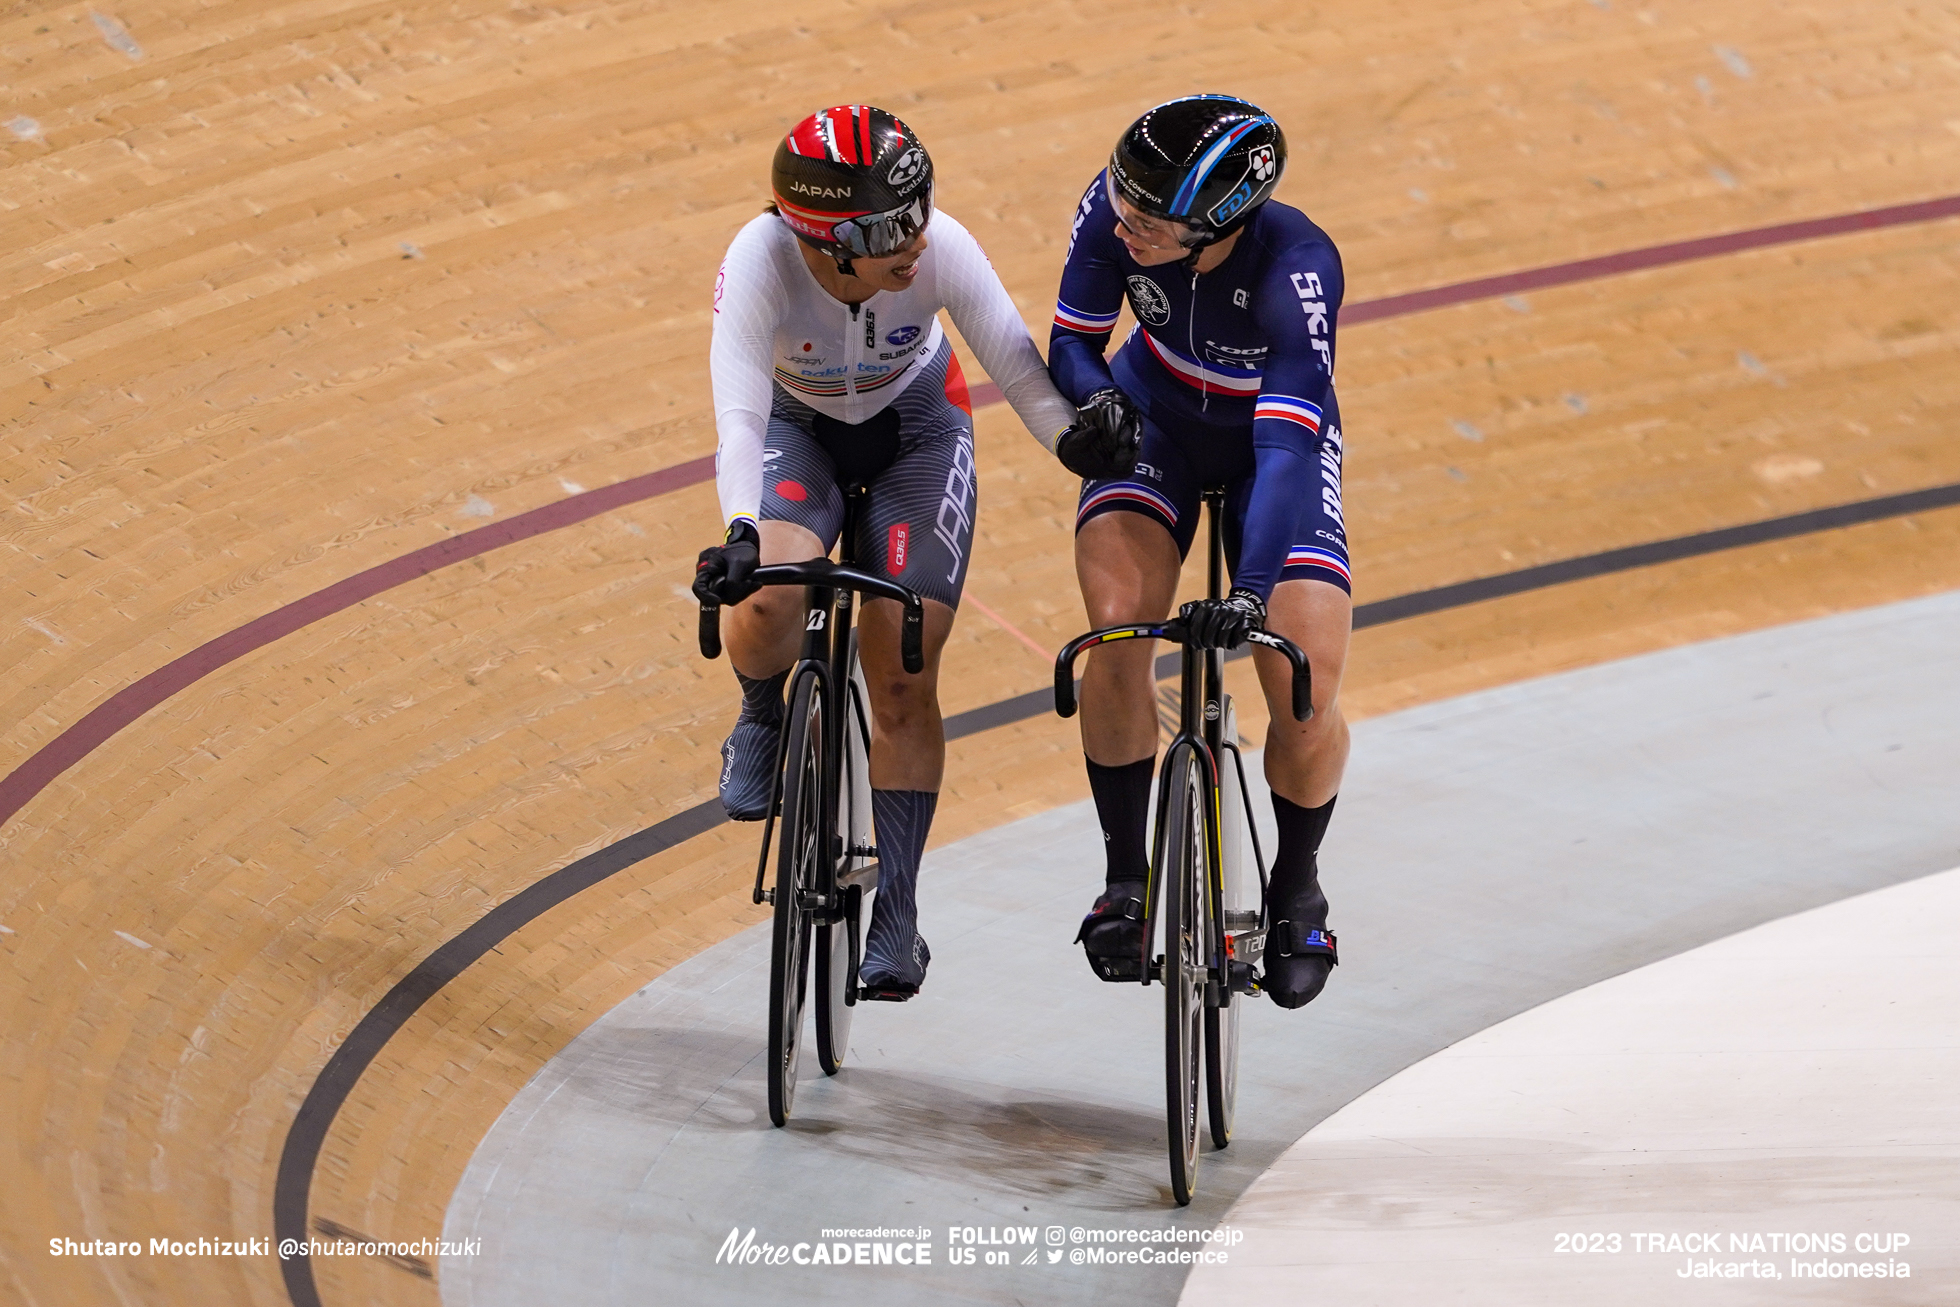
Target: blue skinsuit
[1233,370]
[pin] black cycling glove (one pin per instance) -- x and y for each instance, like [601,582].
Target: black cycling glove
[1105,438]
[1223,623]
[722,575]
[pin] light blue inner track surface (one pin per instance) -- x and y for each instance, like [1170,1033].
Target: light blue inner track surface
[1489,853]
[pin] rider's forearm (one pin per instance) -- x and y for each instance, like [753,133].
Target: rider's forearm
[992,327]
[738,463]
[1077,364]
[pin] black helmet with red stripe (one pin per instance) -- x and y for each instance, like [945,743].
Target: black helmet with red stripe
[854,182]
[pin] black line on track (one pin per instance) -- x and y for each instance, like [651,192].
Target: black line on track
[294,1181]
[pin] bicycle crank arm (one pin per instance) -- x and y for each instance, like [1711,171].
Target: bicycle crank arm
[1247,946]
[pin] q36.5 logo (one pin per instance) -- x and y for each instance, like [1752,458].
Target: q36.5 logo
[1149,301]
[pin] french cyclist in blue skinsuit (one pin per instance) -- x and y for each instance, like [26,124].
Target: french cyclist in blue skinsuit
[1230,373]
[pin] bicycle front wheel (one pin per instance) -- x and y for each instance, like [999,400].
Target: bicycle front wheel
[797,868]
[1181,856]
[1237,899]
[837,942]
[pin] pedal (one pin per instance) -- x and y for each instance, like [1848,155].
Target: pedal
[1244,978]
[769,895]
[1157,968]
[1114,969]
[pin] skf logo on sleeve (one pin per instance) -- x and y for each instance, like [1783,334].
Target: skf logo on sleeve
[897,543]
[1082,211]
[1313,302]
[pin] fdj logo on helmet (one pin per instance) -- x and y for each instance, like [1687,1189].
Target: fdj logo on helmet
[1222,211]
[907,169]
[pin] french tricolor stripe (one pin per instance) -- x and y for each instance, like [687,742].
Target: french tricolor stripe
[1129,490]
[1076,320]
[1288,409]
[1194,373]
[1309,556]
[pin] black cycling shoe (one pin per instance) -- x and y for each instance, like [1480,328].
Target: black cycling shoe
[1112,933]
[1300,950]
[1298,960]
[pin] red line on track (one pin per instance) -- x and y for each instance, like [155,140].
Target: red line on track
[132,701]
[1653,256]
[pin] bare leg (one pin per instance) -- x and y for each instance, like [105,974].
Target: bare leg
[1127,565]
[908,738]
[1305,760]
[908,760]
[764,632]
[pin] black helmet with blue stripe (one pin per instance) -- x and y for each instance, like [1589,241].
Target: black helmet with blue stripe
[1207,161]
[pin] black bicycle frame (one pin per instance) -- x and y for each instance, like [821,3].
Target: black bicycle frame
[1201,730]
[828,609]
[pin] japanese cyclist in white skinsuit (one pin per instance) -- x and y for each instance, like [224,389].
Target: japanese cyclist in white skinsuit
[829,367]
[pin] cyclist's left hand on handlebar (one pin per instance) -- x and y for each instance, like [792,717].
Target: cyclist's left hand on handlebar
[1105,438]
[722,574]
[1223,623]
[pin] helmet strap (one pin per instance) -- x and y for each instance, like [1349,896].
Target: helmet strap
[846,267]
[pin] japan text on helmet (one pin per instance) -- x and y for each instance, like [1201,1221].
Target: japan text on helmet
[853,181]
[1207,161]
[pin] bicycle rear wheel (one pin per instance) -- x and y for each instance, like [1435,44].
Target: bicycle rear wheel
[797,867]
[835,974]
[1181,854]
[1239,896]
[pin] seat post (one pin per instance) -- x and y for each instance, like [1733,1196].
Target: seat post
[1214,497]
[1213,716]
[856,495]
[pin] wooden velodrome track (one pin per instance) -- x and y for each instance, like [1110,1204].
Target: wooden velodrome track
[295,289]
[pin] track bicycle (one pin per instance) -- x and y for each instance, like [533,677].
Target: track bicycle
[826,867]
[1213,915]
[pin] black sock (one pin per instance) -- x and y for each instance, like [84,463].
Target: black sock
[1296,877]
[762,701]
[1123,808]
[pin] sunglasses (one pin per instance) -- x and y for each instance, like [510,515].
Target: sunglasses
[880,235]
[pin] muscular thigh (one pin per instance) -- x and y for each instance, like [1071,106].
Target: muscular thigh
[920,528]
[799,478]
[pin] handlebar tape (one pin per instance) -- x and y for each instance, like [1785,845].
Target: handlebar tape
[711,630]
